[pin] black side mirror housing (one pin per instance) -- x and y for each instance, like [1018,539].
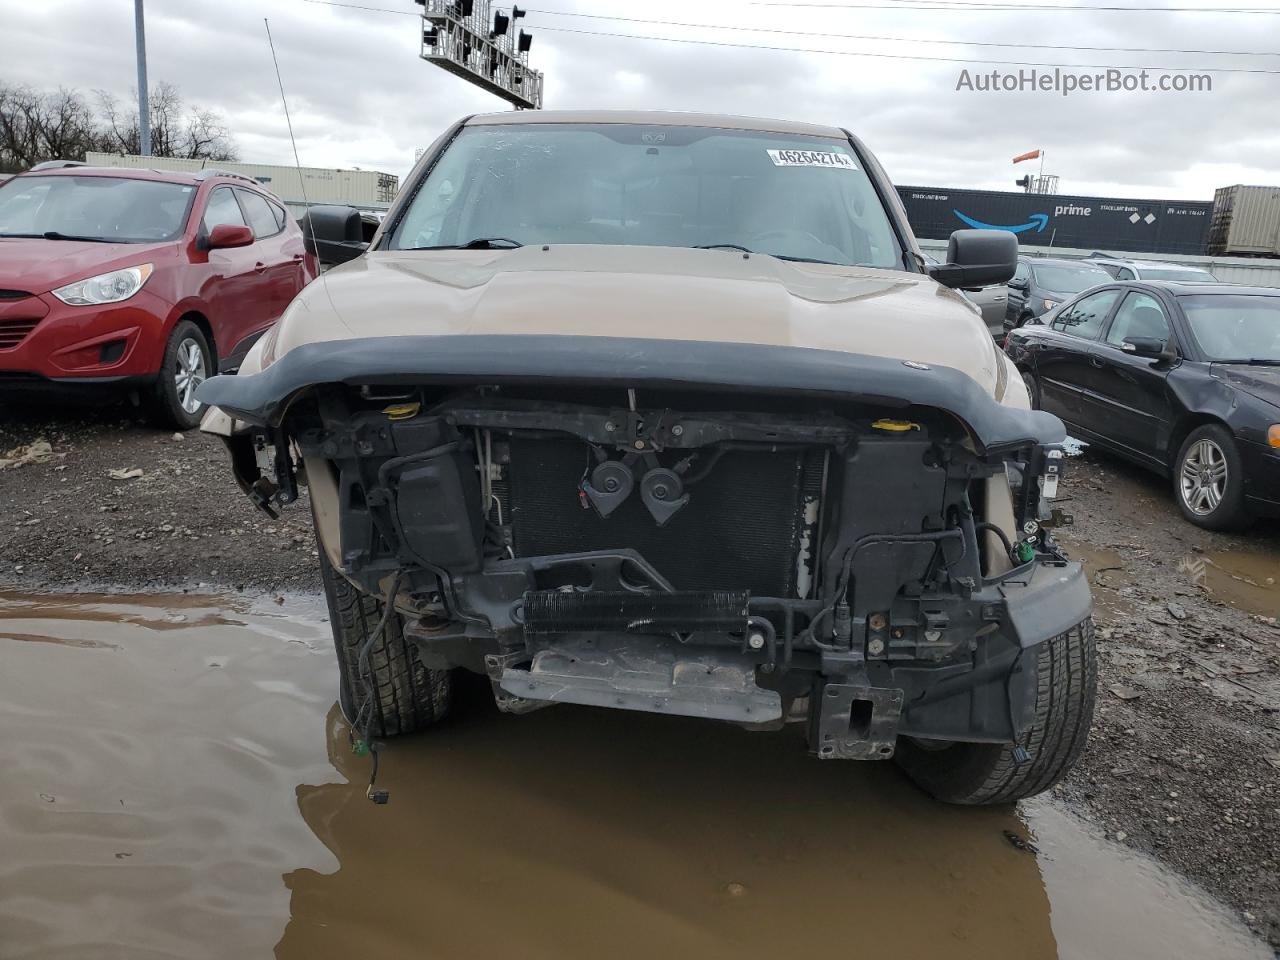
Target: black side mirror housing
[1156,349]
[334,234]
[1019,285]
[978,258]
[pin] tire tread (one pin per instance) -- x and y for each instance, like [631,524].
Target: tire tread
[1066,682]
[408,696]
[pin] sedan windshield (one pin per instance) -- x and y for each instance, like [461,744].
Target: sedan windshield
[107,209]
[793,197]
[1242,327]
[1184,274]
[1069,279]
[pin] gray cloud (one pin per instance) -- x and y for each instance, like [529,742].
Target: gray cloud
[360,95]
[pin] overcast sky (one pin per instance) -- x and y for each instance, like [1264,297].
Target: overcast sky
[361,96]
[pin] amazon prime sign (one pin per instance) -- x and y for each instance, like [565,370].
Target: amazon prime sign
[1042,220]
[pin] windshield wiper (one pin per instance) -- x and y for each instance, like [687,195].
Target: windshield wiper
[723,246]
[830,263]
[1261,361]
[55,235]
[479,243]
[776,256]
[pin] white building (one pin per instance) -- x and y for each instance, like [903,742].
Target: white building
[362,189]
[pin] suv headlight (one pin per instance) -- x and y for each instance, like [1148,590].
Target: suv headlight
[1050,304]
[106,287]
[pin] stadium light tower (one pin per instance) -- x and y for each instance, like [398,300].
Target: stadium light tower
[463,37]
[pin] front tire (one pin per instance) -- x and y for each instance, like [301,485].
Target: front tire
[407,696]
[186,364]
[1208,479]
[987,773]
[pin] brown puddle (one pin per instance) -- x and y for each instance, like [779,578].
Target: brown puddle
[1108,575]
[191,794]
[1248,580]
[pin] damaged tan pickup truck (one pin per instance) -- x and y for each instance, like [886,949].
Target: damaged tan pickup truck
[667,413]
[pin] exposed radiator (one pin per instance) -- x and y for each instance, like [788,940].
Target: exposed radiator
[741,529]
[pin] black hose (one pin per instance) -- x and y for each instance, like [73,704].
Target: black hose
[988,527]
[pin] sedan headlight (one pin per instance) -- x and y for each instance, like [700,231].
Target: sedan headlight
[1050,304]
[1273,436]
[106,287]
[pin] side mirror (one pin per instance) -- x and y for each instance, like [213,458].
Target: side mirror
[1019,284]
[1150,347]
[226,235]
[333,234]
[978,258]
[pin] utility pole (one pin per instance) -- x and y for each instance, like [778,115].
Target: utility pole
[144,106]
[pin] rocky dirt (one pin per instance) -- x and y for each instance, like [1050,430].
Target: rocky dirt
[115,501]
[1184,760]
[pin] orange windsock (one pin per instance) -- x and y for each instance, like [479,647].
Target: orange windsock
[1030,155]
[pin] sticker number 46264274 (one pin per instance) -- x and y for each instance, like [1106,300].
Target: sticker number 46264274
[812,158]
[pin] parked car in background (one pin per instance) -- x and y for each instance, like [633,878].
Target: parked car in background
[1125,269]
[1041,283]
[1181,378]
[990,301]
[139,279]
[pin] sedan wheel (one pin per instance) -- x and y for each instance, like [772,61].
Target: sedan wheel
[1208,479]
[1033,389]
[192,370]
[1204,477]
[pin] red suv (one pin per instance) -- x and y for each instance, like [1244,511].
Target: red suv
[145,279]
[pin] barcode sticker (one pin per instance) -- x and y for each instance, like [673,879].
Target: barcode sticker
[812,158]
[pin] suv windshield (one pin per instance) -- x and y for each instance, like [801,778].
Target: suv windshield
[796,197]
[1069,279]
[111,209]
[1235,326]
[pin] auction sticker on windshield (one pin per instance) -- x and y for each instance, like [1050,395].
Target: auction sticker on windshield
[811,158]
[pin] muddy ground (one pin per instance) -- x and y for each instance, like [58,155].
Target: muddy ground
[1184,761]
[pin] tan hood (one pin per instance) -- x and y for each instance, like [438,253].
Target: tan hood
[652,292]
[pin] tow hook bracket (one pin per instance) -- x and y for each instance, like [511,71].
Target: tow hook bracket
[494,665]
[857,721]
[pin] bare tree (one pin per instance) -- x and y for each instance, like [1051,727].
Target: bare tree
[37,126]
[195,134]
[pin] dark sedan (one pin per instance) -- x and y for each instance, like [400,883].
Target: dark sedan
[1182,378]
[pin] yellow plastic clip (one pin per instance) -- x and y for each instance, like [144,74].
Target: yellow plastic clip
[402,411]
[895,426]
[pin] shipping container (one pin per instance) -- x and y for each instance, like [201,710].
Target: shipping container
[1055,220]
[364,189]
[1245,222]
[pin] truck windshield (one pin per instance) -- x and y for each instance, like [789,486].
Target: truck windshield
[1242,327]
[795,197]
[108,209]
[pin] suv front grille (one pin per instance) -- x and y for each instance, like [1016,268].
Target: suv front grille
[13,332]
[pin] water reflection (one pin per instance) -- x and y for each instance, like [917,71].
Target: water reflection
[572,833]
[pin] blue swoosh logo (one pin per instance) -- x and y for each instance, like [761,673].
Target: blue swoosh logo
[1037,223]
